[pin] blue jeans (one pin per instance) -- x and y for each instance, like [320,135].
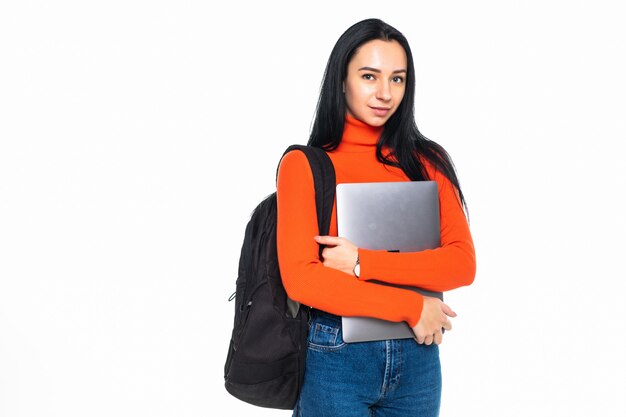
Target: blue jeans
[389,378]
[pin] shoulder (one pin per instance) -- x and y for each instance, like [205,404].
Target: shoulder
[448,193]
[431,169]
[435,174]
[294,167]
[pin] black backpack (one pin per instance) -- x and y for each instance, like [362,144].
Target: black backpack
[267,352]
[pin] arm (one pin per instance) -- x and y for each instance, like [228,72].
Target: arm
[304,276]
[450,266]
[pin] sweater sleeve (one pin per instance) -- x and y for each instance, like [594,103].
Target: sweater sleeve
[449,266]
[305,277]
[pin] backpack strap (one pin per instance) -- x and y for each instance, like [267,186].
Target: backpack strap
[324,182]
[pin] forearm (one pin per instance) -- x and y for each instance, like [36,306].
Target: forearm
[440,269]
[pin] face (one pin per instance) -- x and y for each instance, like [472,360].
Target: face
[376,81]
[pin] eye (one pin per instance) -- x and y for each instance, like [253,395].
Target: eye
[398,79]
[365,76]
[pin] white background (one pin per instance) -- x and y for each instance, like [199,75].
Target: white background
[137,137]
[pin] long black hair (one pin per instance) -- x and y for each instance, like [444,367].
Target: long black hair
[400,133]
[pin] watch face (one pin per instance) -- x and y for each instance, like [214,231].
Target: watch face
[357,270]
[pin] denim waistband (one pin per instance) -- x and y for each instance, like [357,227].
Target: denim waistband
[316,312]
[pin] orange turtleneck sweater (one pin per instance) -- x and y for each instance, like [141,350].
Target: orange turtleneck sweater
[308,281]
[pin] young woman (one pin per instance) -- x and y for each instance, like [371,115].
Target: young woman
[365,122]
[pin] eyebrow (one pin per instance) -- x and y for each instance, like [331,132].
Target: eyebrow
[377,70]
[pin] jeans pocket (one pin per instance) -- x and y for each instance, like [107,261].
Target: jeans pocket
[325,334]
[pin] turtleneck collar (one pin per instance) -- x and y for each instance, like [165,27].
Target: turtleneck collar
[359,136]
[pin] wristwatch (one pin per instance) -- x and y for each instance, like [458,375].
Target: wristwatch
[357,267]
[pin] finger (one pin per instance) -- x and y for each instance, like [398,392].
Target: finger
[438,338]
[428,340]
[419,339]
[446,309]
[327,240]
[447,325]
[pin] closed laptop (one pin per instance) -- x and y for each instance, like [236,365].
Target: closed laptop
[394,216]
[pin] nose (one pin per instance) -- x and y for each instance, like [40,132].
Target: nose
[384,91]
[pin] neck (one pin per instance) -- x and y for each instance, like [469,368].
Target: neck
[359,136]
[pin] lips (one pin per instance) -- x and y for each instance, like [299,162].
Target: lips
[380,111]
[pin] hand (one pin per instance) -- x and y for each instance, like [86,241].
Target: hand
[433,318]
[342,256]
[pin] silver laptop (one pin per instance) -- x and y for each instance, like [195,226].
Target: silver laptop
[395,216]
